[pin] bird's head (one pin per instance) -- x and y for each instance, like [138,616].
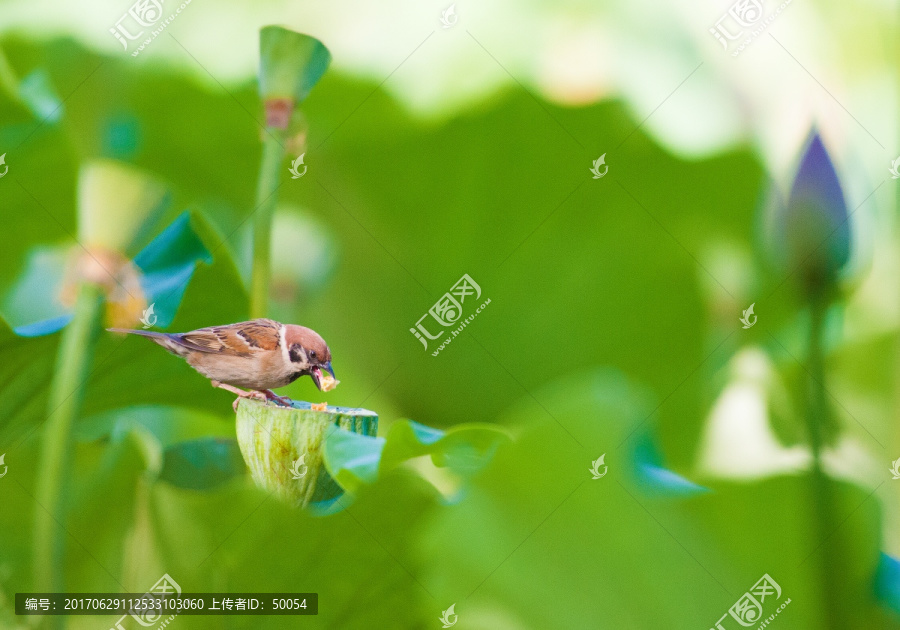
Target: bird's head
[308,353]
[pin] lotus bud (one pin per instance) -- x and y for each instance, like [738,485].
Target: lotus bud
[812,232]
[284,447]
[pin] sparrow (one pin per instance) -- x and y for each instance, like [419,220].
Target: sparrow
[258,355]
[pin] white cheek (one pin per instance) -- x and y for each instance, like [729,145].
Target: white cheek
[285,354]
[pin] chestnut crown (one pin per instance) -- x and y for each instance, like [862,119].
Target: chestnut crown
[306,345]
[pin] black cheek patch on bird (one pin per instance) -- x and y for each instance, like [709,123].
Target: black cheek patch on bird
[295,354]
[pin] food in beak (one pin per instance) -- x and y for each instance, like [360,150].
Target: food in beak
[328,382]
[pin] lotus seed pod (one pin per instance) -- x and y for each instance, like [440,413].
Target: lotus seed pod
[290,64]
[283,447]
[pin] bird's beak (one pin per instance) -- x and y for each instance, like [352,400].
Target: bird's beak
[316,374]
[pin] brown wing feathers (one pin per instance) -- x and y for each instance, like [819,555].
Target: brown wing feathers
[263,334]
[234,339]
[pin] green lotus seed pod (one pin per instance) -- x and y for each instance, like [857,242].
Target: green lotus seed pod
[290,64]
[283,447]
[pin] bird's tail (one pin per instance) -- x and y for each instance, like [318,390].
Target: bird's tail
[168,341]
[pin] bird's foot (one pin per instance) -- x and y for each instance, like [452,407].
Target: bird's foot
[281,400]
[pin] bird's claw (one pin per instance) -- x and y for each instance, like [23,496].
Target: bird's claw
[281,400]
[251,394]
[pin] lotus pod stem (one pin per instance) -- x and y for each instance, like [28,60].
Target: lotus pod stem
[73,362]
[290,64]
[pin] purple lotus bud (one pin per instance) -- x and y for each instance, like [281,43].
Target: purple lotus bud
[813,230]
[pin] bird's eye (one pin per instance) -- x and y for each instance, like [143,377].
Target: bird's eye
[312,354]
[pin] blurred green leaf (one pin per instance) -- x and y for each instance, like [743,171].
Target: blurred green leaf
[630,557]
[24,381]
[107,482]
[202,464]
[354,460]
[463,447]
[169,425]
